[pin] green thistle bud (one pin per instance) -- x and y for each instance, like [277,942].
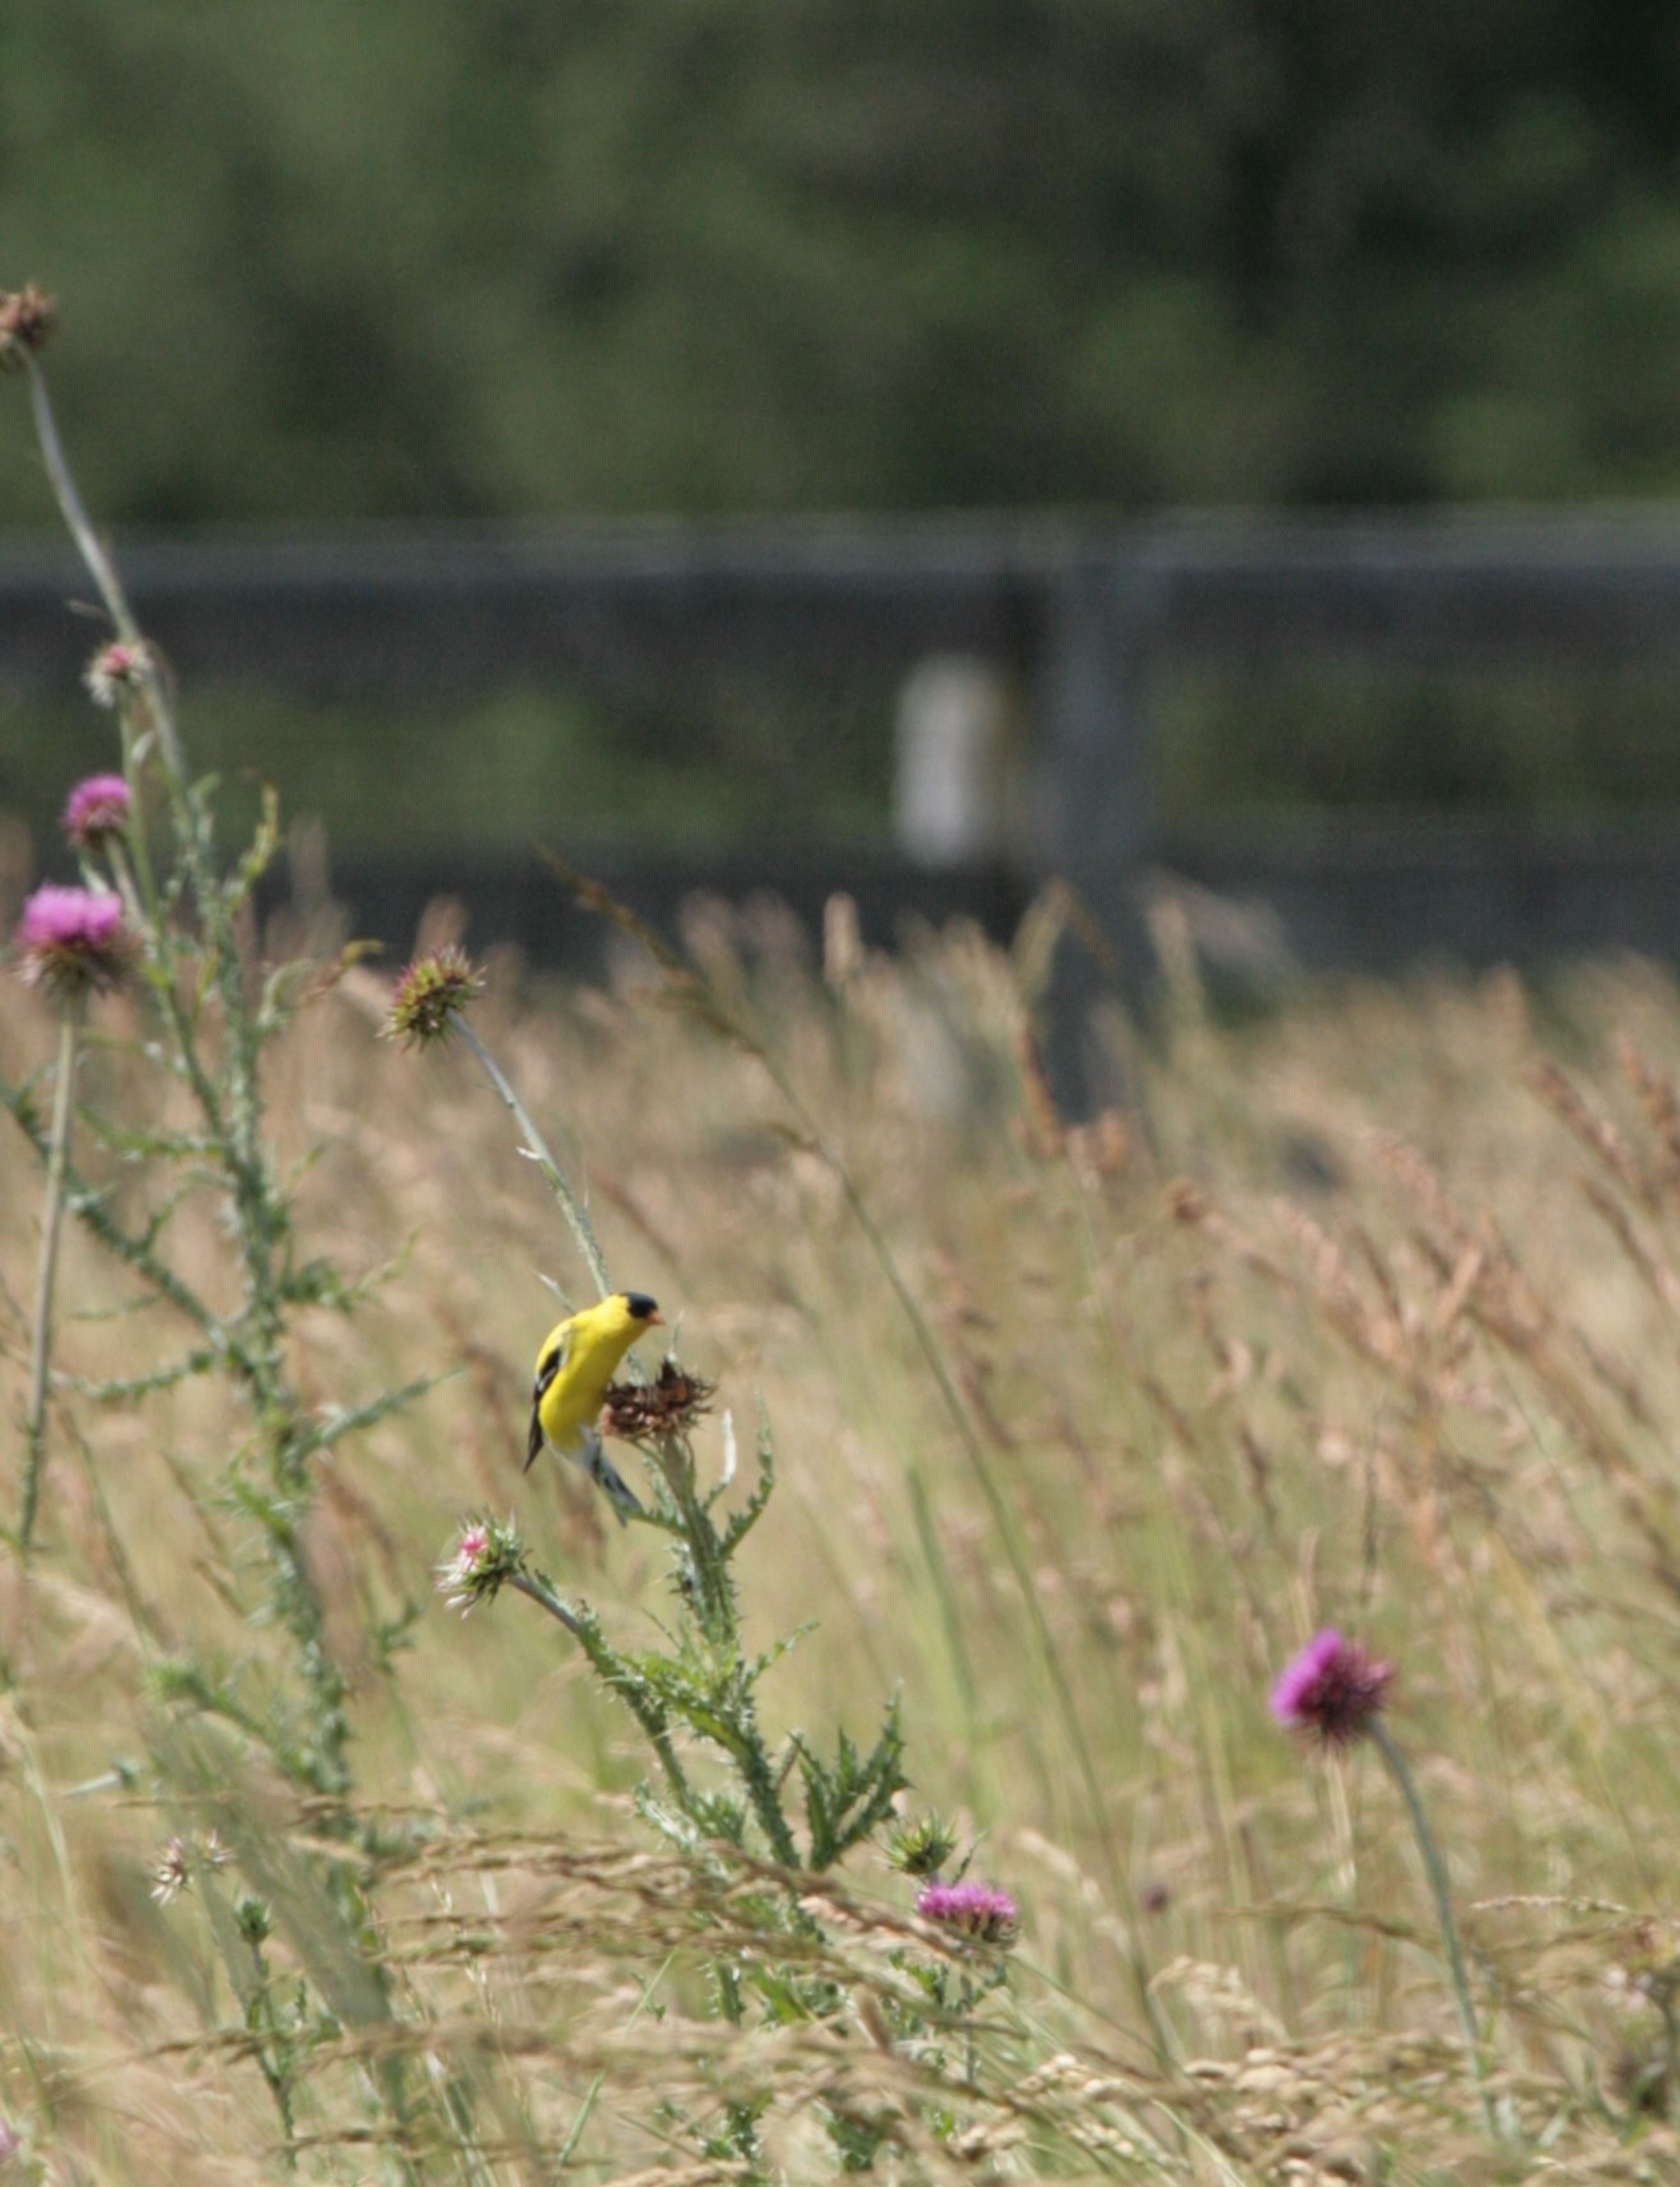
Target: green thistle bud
[252,1917]
[428,994]
[921,1848]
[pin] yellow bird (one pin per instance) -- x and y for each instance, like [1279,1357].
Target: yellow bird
[578,1359]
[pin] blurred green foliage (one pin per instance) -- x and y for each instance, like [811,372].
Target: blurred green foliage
[327,263]
[1547,745]
[502,771]
[331,263]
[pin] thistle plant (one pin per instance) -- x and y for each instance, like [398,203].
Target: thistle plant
[71,943]
[178,920]
[161,907]
[700,1691]
[719,1788]
[1332,1693]
[704,1685]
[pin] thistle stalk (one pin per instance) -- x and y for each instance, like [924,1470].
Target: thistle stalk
[52,1223]
[570,1206]
[1435,1869]
[1332,1692]
[91,549]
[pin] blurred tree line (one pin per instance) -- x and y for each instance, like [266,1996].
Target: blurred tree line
[517,257]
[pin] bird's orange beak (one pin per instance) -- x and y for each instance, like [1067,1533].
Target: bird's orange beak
[656,1319]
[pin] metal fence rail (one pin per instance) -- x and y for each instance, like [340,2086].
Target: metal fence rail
[1090,618]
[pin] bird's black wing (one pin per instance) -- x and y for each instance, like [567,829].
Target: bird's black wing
[548,1367]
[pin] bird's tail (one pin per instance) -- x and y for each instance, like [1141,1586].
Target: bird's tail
[593,1456]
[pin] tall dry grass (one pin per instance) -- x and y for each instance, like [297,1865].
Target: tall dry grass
[1361,1314]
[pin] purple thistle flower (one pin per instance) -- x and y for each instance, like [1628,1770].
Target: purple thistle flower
[71,939]
[97,810]
[1333,1689]
[988,1916]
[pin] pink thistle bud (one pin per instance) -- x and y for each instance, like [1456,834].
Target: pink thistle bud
[1332,1689]
[486,1554]
[71,939]
[97,812]
[974,1910]
[115,669]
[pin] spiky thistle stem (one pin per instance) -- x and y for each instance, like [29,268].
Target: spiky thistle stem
[52,1225]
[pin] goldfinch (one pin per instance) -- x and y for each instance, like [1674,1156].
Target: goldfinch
[578,1359]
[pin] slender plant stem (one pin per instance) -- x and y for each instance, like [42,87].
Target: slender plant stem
[1435,1869]
[91,549]
[537,1589]
[51,1222]
[570,1206]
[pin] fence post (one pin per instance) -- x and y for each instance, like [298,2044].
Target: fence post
[1099,801]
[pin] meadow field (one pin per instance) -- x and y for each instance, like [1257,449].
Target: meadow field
[1361,1312]
[1146,1649]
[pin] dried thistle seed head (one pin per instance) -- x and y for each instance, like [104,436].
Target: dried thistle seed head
[486,1555]
[670,1404]
[428,993]
[96,812]
[71,939]
[976,1911]
[1332,1689]
[121,666]
[27,317]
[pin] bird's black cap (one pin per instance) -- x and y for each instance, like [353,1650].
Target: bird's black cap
[641,1306]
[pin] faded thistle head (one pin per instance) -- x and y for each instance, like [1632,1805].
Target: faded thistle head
[1331,1690]
[172,1872]
[26,320]
[428,995]
[70,939]
[117,669]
